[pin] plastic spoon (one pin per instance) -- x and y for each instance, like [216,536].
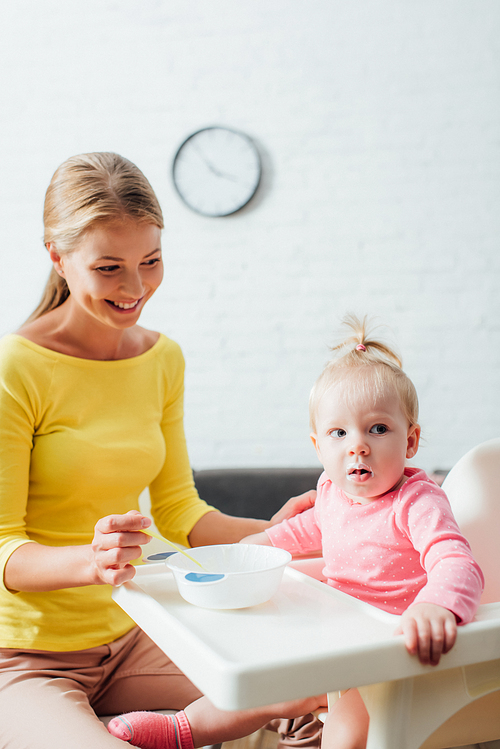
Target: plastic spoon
[174,546]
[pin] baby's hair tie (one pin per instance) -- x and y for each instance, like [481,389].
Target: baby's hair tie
[360,347]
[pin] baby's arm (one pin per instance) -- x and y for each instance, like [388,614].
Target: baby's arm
[300,534]
[294,506]
[257,538]
[429,631]
[454,579]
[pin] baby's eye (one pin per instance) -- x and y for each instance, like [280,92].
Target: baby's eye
[378,429]
[337,433]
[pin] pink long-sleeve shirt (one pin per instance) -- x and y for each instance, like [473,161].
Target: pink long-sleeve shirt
[401,549]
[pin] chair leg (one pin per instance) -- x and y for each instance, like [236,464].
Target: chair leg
[404,713]
[388,705]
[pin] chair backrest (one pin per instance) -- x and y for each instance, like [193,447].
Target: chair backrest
[473,488]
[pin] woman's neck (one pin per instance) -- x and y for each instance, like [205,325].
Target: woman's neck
[67,333]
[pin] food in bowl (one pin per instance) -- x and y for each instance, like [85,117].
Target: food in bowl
[234,576]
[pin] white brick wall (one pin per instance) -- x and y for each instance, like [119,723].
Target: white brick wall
[378,122]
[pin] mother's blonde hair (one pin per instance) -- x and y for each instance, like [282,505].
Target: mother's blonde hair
[365,363]
[85,191]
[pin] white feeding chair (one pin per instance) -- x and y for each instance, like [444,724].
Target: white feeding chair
[454,704]
[459,706]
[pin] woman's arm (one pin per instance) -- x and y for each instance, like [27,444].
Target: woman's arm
[218,528]
[117,541]
[175,505]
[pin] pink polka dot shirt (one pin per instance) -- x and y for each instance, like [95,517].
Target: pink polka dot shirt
[403,548]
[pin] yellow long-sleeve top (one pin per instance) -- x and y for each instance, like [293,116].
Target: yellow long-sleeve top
[79,440]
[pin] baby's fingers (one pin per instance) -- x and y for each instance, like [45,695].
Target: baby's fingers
[419,640]
[437,642]
[444,634]
[408,628]
[429,644]
[429,631]
[450,634]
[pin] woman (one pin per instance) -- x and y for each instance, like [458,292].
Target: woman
[91,409]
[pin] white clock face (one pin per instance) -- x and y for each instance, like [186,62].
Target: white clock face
[216,171]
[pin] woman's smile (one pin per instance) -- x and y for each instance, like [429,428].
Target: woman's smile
[113,272]
[124,306]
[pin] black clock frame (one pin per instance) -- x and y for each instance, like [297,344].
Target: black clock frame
[231,130]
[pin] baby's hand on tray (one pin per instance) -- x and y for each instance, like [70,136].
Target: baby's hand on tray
[429,631]
[117,541]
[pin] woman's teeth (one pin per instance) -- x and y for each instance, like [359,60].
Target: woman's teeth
[126,305]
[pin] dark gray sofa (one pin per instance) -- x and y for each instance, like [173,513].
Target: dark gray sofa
[254,492]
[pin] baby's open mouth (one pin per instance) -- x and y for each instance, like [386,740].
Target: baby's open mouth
[359,472]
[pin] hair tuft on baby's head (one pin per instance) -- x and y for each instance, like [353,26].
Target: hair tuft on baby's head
[365,363]
[361,346]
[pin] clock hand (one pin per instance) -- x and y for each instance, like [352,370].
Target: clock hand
[212,168]
[231,177]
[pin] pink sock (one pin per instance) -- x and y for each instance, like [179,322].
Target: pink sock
[153,730]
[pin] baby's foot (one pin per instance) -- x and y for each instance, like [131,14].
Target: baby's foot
[153,730]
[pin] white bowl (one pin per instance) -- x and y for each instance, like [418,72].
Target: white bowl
[234,576]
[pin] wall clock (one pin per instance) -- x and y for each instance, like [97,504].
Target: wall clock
[216,171]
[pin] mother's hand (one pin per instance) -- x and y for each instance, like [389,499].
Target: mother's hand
[294,506]
[117,542]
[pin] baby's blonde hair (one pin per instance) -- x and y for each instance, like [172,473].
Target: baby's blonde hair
[365,363]
[86,191]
